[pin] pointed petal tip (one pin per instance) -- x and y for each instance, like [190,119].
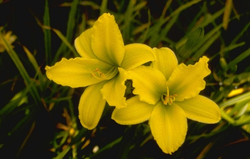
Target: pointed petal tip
[169,127]
[106,40]
[89,127]
[201,109]
[91,106]
[166,61]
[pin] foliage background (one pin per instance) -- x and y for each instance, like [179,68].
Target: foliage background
[39,119]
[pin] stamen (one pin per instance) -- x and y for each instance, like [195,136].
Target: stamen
[97,74]
[168,99]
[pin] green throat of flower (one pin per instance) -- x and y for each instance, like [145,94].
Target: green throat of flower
[98,74]
[167,98]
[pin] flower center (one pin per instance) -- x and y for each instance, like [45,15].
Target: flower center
[104,75]
[167,98]
[97,73]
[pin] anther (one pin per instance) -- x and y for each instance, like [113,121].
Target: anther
[168,99]
[97,74]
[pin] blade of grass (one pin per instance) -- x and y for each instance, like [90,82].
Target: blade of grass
[27,137]
[208,20]
[166,29]
[227,12]
[89,3]
[155,29]
[204,47]
[63,153]
[71,20]
[207,37]
[198,16]
[211,18]
[61,36]
[35,65]
[234,100]
[226,49]
[139,6]
[82,25]
[70,29]
[163,14]
[17,100]
[108,146]
[239,58]
[241,33]
[47,33]
[141,28]
[64,40]
[194,38]
[127,20]
[22,70]
[103,8]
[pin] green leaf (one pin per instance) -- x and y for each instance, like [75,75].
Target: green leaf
[193,39]
[27,80]
[127,20]
[103,8]
[70,29]
[239,58]
[19,99]
[47,33]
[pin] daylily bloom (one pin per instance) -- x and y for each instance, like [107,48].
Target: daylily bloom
[102,67]
[9,38]
[168,94]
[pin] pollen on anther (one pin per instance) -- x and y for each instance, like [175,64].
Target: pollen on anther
[97,74]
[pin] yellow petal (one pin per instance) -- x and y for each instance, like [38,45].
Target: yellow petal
[78,72]
[91,106]
[168,126]
[136,112]
[166,61]
[83,44]
[114,90]
[107,42]
[187,81]
[136,55]
[201,109]
[149,84]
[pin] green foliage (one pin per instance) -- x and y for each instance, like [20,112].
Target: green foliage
[39,116]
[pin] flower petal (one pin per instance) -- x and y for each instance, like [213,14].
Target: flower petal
[168,126]
[149,84]
[91,106]
[78,72]
[107,42]
[83,44]
[166,61]
[187,81]
[114,90]
[136,55]
[201,109]
[136,112]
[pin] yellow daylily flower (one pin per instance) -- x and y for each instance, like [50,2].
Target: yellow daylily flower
[103,67]
[168,94]
[9,38]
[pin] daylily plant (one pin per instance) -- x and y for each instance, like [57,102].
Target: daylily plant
[9,38]
[102,67]
[168,94]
